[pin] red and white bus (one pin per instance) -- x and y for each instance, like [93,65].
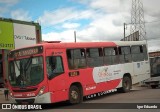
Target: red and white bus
[54,72]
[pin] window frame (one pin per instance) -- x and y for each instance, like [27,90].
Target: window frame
[70,59]
[125,54]
[138,55]
[93,58]
[62,65]
[111,55]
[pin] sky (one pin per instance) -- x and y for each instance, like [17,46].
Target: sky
[93,20]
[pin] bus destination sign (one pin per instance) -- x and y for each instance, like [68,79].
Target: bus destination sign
[26,52]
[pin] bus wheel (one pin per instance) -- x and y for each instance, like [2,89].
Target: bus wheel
[74,95]
[126,85]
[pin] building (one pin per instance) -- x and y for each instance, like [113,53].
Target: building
[15,34]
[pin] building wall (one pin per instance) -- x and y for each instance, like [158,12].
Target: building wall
[16,34]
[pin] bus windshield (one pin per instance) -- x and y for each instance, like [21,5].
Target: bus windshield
[26,72]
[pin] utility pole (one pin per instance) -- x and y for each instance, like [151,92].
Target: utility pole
[124,31]
[75,36]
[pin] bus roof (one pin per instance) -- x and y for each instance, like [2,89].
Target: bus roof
[128,43]
[79,44]
[86,44]
[92,44]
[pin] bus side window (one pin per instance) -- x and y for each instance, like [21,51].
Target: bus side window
[54,66]
[125,54]
[145,52]
[94,57]
[76,58]
[137,53]
[110,56]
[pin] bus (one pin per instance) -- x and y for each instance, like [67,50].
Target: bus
[52,72]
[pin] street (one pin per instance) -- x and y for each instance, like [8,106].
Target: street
[110,102]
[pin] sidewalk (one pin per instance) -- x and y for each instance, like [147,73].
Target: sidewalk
[2,97]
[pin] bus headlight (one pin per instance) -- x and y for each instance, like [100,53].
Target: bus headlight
[41,91]
[11,94]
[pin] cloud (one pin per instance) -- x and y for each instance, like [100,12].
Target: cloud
[106,20]
[151,7]
[104,25]
[63,15]
[3,10]
[55,17]
[70,25]
[64,36]
[103,29]
[154,45]
[21,14]
[9,2]
[109,6]
[5,6]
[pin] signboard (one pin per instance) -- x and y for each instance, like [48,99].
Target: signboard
[6,35]
[24,35]
[26,52]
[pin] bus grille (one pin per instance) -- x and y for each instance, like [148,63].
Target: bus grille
[25,90]
[26,101]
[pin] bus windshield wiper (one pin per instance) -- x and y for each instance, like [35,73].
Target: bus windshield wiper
[16,64]
[28,63]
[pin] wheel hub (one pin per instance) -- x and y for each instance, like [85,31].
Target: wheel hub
[74,95]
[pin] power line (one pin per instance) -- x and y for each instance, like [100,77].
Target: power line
[144,22]
[74,17]
[154,38]
[153,21]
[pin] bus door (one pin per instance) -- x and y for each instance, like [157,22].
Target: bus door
[55,74]
[126,59]
[139,55]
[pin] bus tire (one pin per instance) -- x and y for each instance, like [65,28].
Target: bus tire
[154,86]
[126,85]
[75,95]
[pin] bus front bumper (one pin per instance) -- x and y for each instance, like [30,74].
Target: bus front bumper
[44,98]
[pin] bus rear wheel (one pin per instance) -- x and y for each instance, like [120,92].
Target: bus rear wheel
[74,95]
[126,85]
